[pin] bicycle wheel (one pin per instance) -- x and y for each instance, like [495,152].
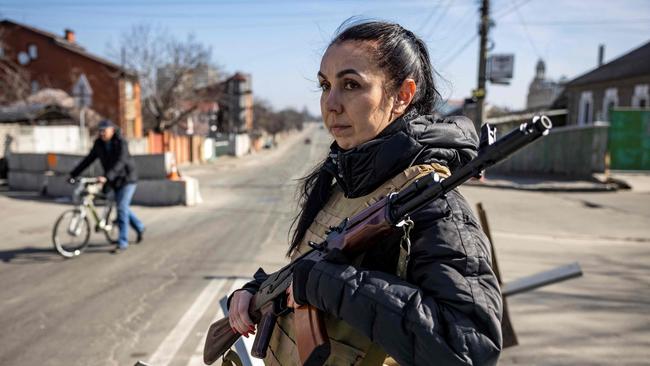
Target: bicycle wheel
[71,233]
[112,229]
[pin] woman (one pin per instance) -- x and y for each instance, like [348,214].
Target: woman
[377,97]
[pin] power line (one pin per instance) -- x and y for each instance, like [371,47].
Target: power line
[584,22]
[530,39]
[514,7]
[439,19]
[449,59]
[426,21]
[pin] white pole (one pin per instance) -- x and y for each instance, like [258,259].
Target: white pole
[82,126]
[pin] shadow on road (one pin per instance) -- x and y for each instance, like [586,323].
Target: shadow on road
[32,196]
[29,255]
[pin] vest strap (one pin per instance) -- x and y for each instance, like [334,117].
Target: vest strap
[404,248]
[375,356]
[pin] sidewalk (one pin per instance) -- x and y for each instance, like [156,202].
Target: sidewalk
[636,181]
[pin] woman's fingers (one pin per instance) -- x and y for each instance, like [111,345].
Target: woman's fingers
[239,319]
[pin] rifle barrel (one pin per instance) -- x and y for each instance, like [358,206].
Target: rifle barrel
[492,154]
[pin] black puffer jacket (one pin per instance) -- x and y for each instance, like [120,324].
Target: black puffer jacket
[119,167]
[448,310]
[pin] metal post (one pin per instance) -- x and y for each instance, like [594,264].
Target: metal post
[479,93]
[82,127]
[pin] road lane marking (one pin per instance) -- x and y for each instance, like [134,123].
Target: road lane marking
[170,345]
[197,355]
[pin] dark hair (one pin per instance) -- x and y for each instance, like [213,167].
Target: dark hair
[401,54]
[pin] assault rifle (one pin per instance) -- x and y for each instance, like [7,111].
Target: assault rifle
[353,236]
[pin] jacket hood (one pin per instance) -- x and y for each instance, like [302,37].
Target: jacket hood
[409,140]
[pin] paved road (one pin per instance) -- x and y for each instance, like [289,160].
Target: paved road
[154,302]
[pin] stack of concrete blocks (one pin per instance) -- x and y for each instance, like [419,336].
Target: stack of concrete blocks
[48,174]
[58,172]
[26,172]
[155,189]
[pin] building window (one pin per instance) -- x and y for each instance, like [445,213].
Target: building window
[609,101]
[23,58]
[128,90]
[641,96]
[585,108]
[32,50]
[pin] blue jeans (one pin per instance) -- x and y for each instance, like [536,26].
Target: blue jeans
[125,216]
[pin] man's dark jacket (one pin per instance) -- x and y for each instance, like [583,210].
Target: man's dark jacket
[119,167]
[448,310]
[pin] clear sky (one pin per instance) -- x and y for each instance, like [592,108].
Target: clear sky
[280,42]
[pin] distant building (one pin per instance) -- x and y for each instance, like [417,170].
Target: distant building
[623,82]
[58,62]
[542,91]
[236,104]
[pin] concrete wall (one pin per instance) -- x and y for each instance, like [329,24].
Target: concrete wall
[42,139]
[208,149]
[572,151]
[138,146]
[242,144]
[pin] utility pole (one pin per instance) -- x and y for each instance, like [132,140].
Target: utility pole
[479,93]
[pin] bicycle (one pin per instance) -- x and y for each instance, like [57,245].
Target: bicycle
[71,232]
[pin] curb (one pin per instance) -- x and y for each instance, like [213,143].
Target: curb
[542,187]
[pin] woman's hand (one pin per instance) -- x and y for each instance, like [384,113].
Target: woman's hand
[238,317]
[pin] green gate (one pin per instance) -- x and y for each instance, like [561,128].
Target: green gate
[629,139]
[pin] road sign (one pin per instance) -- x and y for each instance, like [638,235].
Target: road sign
[500,67]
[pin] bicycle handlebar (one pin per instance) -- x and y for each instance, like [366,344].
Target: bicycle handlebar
[84,181]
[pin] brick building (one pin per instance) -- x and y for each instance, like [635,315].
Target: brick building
[53,61]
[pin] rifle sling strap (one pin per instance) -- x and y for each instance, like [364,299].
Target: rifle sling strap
[231,358]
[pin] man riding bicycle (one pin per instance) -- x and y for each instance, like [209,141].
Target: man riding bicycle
[119,174]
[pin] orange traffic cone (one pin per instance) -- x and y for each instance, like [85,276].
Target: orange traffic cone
[173,174]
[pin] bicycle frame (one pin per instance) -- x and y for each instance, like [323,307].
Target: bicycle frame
[88,189]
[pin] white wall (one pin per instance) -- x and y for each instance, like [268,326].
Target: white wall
[41,139]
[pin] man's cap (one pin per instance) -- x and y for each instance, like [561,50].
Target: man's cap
[105,123]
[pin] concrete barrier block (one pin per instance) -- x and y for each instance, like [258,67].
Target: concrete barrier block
[154,166]
[192,191]
[58,186]
[26,181]
[27,162]
[62,164]
[159,192]
[163,192]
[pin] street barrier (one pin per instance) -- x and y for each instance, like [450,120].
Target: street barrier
[48,174]
[27,162]
[27,181]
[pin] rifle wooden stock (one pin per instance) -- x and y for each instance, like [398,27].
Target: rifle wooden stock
[219,340]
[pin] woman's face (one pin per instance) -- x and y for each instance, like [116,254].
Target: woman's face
[354,100]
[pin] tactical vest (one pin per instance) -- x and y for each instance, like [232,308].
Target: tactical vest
[349,347]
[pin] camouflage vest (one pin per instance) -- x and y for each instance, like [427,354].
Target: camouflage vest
[349,347]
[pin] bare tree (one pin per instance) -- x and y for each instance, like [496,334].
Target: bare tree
[167,69]
[14,79]
[275,122]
